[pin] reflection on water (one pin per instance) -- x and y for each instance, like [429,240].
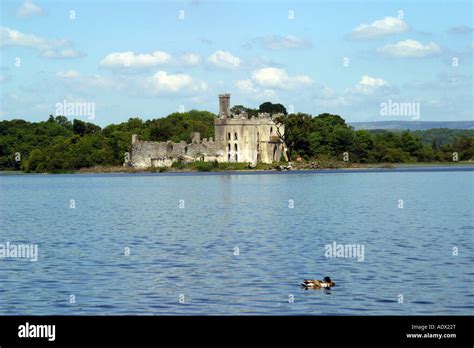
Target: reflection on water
[184,260]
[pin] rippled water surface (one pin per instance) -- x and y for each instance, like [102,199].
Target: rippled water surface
[191,251]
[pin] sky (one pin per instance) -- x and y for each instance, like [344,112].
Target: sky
[148,59]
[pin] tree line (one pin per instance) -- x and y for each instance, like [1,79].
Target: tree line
[59,144]
[328,136]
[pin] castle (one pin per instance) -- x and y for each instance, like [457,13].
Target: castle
[238,138]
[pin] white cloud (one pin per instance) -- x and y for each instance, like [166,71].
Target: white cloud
[379,28]
[369,81]
[90,83]
[162,82]
[191,59]
[368,85]
[68,74]
[61,53]
[245,86]
[276,42]
[409,49]
[365,91]
[278,78]
[272,77]
[129,59]
[46,48]
[248,87]
[268,94]
[29,9]
[223,59]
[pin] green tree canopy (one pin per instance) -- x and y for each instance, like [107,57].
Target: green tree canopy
[271,108]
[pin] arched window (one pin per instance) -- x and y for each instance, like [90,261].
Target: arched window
[228,147]
[235,147]
[228,136]
[236,158]
[228,157]
[271,131]
[235,136]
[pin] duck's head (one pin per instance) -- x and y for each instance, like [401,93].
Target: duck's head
[327,280]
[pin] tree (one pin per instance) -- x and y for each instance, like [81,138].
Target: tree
[464,146]
[362,145]
[410,142]
[35,158]
[179,126]
[78,127]
[239,109]
[297,128]
[272,109]
[81,128]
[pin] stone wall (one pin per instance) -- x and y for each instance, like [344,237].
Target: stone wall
[146,154]
[238,139]
[249,140]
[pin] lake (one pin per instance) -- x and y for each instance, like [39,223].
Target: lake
[239,244]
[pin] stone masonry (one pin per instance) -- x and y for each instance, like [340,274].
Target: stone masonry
[237,139]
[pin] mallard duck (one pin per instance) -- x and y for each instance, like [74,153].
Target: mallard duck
[326,283]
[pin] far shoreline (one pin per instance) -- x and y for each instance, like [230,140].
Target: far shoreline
[354,168]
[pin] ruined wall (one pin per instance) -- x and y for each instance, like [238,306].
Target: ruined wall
[146,154]
[238,139]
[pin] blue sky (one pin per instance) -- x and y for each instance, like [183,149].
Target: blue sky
[150,58]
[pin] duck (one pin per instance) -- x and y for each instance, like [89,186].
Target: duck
[326,283]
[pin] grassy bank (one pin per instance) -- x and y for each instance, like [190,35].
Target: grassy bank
[221,167]
[226,167]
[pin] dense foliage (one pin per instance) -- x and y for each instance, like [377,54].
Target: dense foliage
[266,107]
[328,136]
[59,144]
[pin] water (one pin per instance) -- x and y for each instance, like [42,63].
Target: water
[190,251]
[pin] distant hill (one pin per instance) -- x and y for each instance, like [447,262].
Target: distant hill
[412,125]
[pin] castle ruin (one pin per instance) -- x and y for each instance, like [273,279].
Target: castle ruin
[238,138]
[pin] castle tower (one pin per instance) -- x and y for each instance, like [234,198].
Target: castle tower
[224,105]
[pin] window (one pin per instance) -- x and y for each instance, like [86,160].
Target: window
[235,136]
[236,158]
[235,147]
[228,157]
[228,147]
[228,136]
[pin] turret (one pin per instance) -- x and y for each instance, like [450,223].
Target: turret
[224,105]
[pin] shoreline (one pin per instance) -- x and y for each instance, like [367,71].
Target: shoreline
[359,168]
